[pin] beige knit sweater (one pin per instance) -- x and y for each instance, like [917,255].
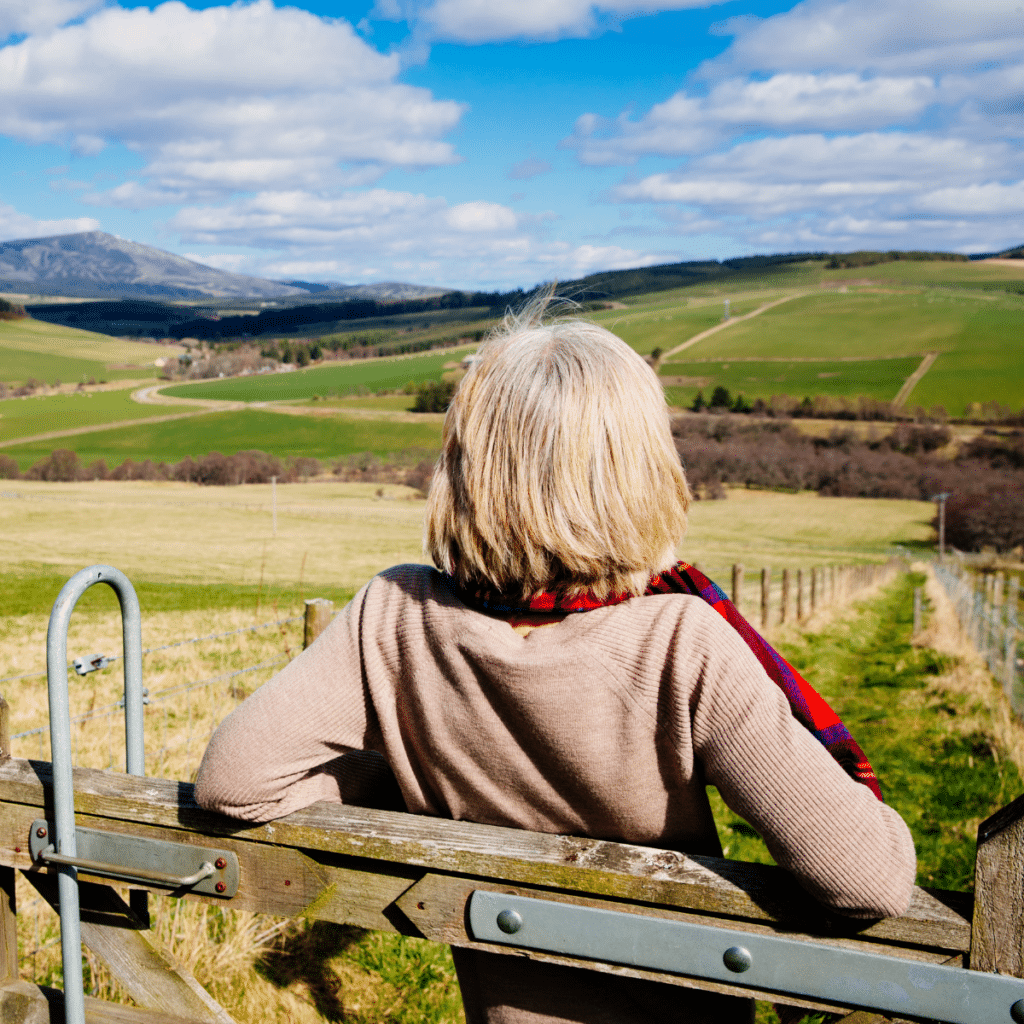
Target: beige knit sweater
[607,724]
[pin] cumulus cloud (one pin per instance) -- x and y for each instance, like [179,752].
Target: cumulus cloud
[932,37]
[14,224]
[35,16]
[487,21]
[686,124]
[816,191]
[354,235]
[230,98]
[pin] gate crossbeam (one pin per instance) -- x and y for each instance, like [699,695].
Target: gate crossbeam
[393,871]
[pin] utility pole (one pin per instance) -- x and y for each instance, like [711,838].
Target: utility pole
[941,499]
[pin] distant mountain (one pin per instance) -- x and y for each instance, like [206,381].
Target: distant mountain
[93,264]
[383,291]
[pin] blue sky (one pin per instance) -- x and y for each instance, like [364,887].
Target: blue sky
[500,143]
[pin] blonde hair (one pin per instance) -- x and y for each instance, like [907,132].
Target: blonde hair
[557,469]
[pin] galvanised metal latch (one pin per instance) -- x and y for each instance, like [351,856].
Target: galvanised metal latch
[904,988]
[136,859]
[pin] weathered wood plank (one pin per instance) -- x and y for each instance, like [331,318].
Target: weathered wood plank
[153,978]
[98,1011]
[998,937]
[23,1003]
[8,928]
[711,885]
[273,880]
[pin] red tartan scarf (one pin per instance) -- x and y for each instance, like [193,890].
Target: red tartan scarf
[809,708]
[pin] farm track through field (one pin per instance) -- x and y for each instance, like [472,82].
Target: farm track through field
[912,381]
[728,323]
[73,431]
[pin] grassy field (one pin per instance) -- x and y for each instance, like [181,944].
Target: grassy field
[333,379]
[230,432]
[934,273]
[38,414]
[663,322]
[48,352]
[205,561]
[977,336]
[876,378]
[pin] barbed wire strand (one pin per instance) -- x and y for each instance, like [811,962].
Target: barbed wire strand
[167,647]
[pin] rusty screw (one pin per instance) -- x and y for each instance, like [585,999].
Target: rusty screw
[17,849]
[41,832]
[220,887]
[287,881]
[220,864]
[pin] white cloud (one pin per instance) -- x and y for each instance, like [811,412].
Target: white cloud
[415,237]
[485,21]
[989,199]
[237,97]
[907,37]
[685,124]
[20,225]
[34,16]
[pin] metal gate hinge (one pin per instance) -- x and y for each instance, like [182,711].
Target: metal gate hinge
[151,862]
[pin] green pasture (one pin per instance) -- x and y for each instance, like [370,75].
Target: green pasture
[978,336]
[330,380]
[229,432]
[935,764]
[875,378]
[935,273]
[49,352]
[38,414]
[666,323]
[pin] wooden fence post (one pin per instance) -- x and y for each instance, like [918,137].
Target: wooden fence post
[814,588]
[319,612]
[799,595]
[784,603]
[917,611]
[737,584]
[997,936]
[766,587]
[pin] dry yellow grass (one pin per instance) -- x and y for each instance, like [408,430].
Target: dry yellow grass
[331,534]
[340,534]
[969,675]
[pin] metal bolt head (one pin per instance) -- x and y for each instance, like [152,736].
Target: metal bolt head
[220,864]
[737,959]
[41,832]
[509,922]
[1017,1011]
[220,887]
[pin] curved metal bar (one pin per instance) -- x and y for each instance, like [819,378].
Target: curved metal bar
[131,874]
[60,750]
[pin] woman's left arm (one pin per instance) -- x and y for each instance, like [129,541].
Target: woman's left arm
[274,754]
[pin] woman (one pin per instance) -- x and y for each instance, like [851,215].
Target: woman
[527,682]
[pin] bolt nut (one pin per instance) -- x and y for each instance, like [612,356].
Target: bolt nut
[1017,1011]
[509,922]
[220,864]
[220,887]
[41,832]
[737,959]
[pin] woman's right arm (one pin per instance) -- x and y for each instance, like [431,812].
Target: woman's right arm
[274,753]
[847,848]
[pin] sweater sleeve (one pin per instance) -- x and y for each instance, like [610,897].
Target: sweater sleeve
[283,748]
[849,850]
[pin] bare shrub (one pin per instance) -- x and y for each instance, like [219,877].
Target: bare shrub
[61,466]
[9,468]
[986,518]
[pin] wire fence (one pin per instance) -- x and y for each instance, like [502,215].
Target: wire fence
[171,646]
[179,719]
[987,605]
